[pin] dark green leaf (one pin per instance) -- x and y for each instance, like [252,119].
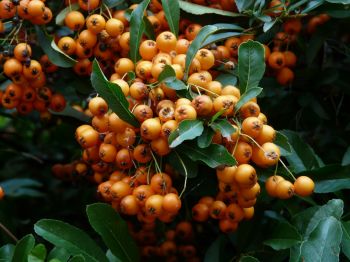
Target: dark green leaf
[332,185]
[324,242]
[172,14]
[268,25]
[346,158]
[215,250]
[213,156]
[61,15]
[23,248]
[111,257]
[58,253]
[248,259]
[202,10]
[301,219]
[219,37]
[224,126]
[302,156]
[174,83]
[333,208]
[73,239]
[345,243]
[137,27]
[167,72]
[282,141]
[311,5]
[187,130]
[344,2]
[113,230]
[248,95]
[6,252]
[178,161]
[71,112]
[55,56]
[38,254]
[228,27]
[77,258]
[204,140]
[251,65]
[283,236]
[149,29]
[20,187]
[196,44]
[243,5]
[227,79]
[113,3]
[113,95]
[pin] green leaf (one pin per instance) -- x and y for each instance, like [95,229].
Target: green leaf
[248,95]
[219,37]
[324,242]
[251,65]
[149,29]
[187,130]
[111,257]
[6,252]
[196,44]
[62,15]
[21,187]
[38,254]
[58,253]
[203,10]
[174,83]
[113,95]
[113,230]
[345,243]
[333,208]
[113,3]
[71,112]
[283,236]
[213,156]
[216,249]
[268,25]
[346,158]
[177,161]
[167,72]
[344,2]
[204,140]
[23,248]
[227,79]
[302,156]
[137,27]
[311,5]
[248,259]
[77,258]
[282,141]
[332,185]
[243,5]
[73,239]
[172,14]
[224,126]
[56,57]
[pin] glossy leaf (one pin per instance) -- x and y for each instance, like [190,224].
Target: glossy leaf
[23,247]
[6,252]
[243,5]
[345,243]
[71,112]
[77,258]
[219,37]
[227,79]
[57,58]
[172,14]
[311,5]
[167,72]
[149,29]
[247,96]
[344,2]
[204,140]
[215,250]
[178,161]
[187,130]
[58,253]
[62,14]
[224,126]
[213,156]
[113,95]
[283,236]
[174,83]
[196,44]
[38,254]
[73,239]
[202,10]
[113,3]
[282,141]
[137,27]
[113,230]
[251,65]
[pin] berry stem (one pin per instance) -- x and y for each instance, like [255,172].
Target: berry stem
[8,232]
[186,174]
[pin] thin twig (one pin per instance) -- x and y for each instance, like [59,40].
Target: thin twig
[8,232]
